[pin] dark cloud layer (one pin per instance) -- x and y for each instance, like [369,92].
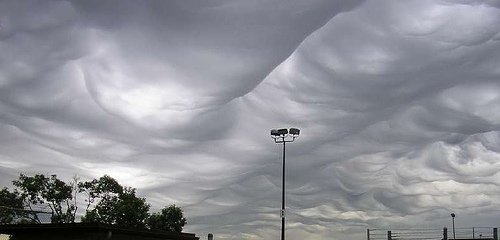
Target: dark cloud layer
[397,101]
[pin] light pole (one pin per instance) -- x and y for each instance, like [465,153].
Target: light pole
[453,224]
[283,136]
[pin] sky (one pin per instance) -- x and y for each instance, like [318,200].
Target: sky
[398,103]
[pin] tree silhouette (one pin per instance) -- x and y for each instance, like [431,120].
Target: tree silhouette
[10,203]
[169,219]
[41,192]
[124,209]
[106,202]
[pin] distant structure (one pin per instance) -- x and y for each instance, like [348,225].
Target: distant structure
[94,231]
[472,233]
[453,224]
[210,236]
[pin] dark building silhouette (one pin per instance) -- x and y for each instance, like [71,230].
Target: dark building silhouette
[86,231]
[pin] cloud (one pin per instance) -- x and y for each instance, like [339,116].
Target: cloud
[397,103]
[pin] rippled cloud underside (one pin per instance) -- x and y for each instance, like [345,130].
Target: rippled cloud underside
[398,103]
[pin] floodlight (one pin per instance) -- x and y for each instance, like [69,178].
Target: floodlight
[283,131]
[294,132]
[274,133]
[283,136]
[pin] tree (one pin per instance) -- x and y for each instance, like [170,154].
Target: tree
[42,192]
[108,202]
[169,219]
[131,211]
[103,188]
[11,205]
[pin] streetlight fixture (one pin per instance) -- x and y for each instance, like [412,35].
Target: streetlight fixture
[453,224]
[283,136]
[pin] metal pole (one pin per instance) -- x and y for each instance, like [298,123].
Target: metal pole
[368,234]
[283,196]
[453,222]
[280,136]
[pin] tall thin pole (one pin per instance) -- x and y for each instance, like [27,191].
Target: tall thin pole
[453,223]
[283,196]
[283,136]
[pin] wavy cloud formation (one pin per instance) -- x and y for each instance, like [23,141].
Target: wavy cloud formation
[398,103]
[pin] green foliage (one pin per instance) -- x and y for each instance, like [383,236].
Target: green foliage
[169,219]
[131,210]
[40,191]
[109,202]
[124,209]
[106,202]
[10,202]
[103,188]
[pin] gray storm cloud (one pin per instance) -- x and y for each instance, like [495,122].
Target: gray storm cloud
[398,103]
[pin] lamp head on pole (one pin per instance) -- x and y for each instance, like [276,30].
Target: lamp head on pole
[294,132]
[274,133]
[283,132]
[283,135]
[452,215]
